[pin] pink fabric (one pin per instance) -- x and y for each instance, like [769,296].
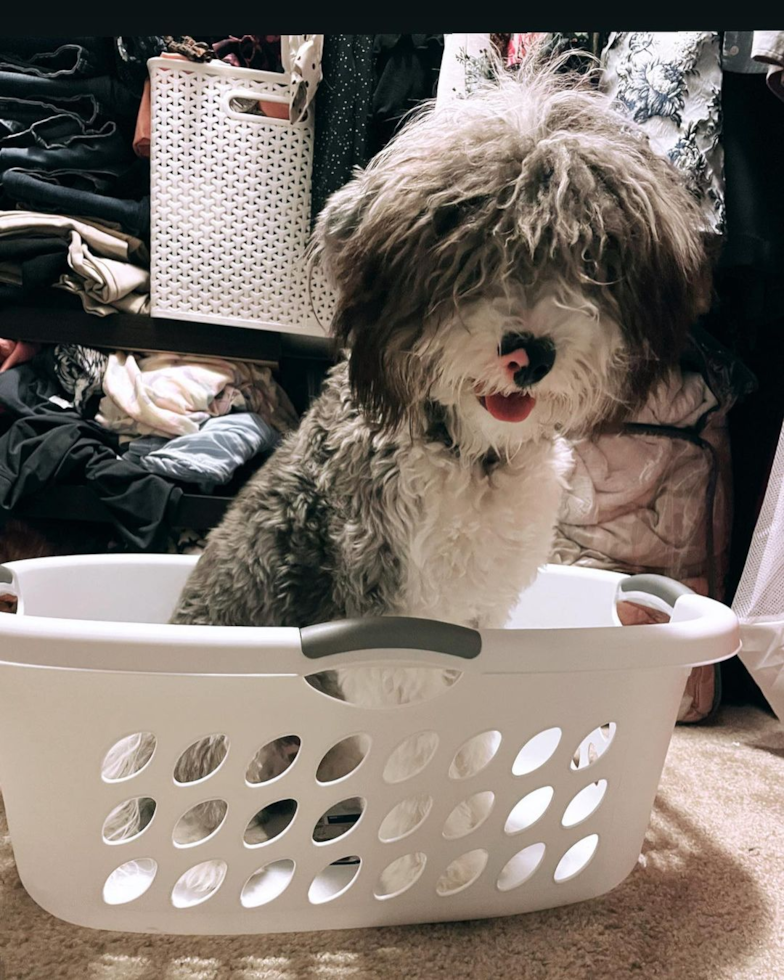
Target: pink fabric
[521,45]
[141,138]
[13,352]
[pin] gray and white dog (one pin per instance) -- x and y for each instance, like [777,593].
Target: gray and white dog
[513,267]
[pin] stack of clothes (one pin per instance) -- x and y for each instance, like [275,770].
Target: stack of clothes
[74,196]
[74,155]
[138,429]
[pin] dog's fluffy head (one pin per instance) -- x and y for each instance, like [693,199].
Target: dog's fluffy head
[529,225]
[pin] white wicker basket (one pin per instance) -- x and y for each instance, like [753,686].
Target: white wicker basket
[583,712]
[230,202]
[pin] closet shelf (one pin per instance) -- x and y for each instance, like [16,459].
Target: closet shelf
[129,331]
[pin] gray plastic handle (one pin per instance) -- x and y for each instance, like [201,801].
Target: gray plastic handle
[665,589]
[390,633]
[6,575]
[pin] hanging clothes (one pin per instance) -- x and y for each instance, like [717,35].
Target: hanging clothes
[669,82]
[406,70]
[343,107]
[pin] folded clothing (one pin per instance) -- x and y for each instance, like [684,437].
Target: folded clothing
[172,395]
[34,192]
[54,57]
[207,458]
[98,270]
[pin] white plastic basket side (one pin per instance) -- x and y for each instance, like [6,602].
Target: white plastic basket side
[602,735]
[230,202]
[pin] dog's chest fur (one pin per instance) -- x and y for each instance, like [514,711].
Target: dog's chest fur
[347,520]
[477,535]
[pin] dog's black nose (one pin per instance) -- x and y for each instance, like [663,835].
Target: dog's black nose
[527,359]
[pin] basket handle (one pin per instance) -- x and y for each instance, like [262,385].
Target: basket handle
[390,633]
[250,95]
[654,591]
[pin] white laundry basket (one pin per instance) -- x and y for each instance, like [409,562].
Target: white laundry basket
[583,710]
[230,201]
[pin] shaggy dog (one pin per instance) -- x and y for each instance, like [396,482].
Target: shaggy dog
[513,267]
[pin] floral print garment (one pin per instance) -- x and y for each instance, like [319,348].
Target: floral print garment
[670,83]
[469,59]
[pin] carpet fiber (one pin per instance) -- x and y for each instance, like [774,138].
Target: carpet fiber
[704,902]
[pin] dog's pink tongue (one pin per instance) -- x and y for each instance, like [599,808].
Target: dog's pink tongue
[510,408]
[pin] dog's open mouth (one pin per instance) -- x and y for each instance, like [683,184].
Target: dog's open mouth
[508,408]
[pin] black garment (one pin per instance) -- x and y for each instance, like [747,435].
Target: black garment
[406,70]
[343,105]
[23,248]
[34,273]
[38,262]
[131,56]
[27,122]
[56,56]
[43,446]
[106,151]
[36,194]
[112,97]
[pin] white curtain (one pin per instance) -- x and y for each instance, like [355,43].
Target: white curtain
[759,602]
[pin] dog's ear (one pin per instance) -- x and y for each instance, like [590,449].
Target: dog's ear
[660,277]
[365,245]
[336,223]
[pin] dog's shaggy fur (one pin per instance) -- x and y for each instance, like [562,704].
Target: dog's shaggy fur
[528,216]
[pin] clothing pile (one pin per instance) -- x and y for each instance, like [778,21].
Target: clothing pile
[371,81]
[655,495]
[136,429]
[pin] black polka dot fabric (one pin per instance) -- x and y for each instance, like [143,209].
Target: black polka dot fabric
[343,106]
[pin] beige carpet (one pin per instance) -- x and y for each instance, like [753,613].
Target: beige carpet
[705,903]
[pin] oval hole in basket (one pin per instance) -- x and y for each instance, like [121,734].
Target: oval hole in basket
[334,880]
[273,759]
[410,757]
[201,759]
[521,867]
[338,820]
[199,823]
[468,815]
[130,881]
[432,682]
[584,803]
[267,884]
[128,757]
[536,751]
[576,858]
[474,755]
[404,818]
[343,758]
[531,808]
[198,884]
[400,875]
[462,872]
[593,746]
[270,822]
[128,820]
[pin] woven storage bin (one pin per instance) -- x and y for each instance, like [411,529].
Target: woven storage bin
[230,202]
[582,709]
